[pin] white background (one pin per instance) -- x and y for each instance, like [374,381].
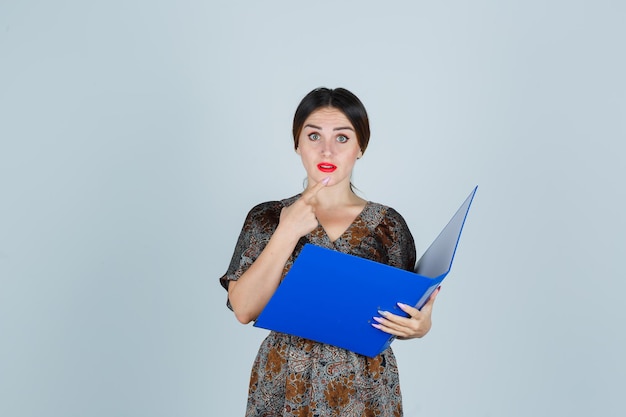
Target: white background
[135,136]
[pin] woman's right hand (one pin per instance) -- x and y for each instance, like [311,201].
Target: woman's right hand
[249,294]
[299,218]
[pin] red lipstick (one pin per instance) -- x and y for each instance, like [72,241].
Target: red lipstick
[326,167]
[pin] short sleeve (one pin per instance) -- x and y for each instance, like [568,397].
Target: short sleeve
[260,224]
[398,240]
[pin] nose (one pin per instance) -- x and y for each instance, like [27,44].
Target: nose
[326,148]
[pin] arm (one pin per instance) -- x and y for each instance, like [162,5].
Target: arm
[250,293]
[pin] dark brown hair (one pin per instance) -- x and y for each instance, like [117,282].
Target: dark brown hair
[340,99]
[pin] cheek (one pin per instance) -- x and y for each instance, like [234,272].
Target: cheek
[308,160]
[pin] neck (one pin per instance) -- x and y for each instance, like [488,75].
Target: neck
[337,195]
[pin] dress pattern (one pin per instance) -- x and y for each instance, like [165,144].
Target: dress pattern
[293,376]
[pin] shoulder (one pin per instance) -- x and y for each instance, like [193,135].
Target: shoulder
[383,214]
[389,222]
[269,209]
[265,207]
[394,235]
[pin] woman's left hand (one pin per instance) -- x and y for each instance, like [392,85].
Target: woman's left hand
[416,325]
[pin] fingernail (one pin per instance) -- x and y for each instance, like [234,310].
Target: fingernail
[382,313]
[325,180]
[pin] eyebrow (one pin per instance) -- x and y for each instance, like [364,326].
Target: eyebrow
[337,128]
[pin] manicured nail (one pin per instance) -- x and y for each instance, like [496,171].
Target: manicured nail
[378,319]
[325,180]
[382,313]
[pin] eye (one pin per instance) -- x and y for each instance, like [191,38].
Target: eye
[342,139]
[314,136]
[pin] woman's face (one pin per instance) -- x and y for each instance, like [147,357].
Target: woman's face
[328,146]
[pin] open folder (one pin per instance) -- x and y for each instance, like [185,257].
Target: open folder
[332,297]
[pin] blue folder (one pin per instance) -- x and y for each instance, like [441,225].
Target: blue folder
[332,297]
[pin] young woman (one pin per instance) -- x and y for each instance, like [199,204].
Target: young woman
[292,376]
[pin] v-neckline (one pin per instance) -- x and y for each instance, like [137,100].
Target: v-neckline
[347,229]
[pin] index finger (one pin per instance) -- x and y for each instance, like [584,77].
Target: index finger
[410,310]
[311,192]
[431,300]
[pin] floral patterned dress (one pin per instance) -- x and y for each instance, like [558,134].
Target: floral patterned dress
[292,376]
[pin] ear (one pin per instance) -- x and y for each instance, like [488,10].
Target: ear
[298,150]
[360,155]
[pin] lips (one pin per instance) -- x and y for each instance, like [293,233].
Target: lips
[326,167]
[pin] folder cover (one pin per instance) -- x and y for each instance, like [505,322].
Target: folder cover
[332,297]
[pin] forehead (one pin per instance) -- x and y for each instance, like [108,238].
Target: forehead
[328,116]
